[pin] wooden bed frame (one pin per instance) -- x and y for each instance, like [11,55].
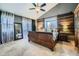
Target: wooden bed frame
[42,38]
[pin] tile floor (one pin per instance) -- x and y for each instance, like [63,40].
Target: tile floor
[24,48]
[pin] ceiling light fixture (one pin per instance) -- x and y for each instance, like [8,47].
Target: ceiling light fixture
[38,7]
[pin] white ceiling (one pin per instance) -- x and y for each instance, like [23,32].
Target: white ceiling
[60,8]
[22,9]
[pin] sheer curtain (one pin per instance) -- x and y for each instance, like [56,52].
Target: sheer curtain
[24,25]
[7,27]
[27,26]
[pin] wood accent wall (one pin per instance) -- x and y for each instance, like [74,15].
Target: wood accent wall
[40,25]
[66,23]
[76,12]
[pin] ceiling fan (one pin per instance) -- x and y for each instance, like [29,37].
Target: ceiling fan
[38,7]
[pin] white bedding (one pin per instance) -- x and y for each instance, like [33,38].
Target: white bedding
[55,35]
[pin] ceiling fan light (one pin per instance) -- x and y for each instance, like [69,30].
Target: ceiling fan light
[37,9]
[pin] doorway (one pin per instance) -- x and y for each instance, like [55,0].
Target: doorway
[18,34]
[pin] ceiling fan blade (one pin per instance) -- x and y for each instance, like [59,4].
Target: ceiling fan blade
[31,8]
[44,4]
[42,9]
[34,4]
